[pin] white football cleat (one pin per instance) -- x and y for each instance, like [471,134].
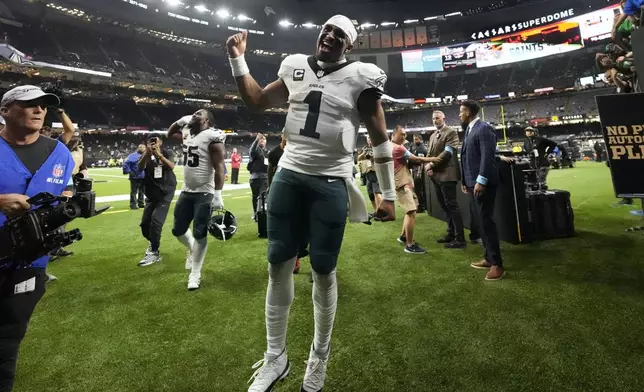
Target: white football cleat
[194,279]
[269,371]
[315,371]
[188,266]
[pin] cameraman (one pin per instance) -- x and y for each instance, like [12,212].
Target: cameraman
[31,164]
[538,148]
[159,183]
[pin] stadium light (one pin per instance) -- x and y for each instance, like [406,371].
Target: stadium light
[309,25]
[431,18]
[410,21]
[285,23]
[366,25]
[222,13]
[173,3]
[388,23]
[243,17]
[201,8]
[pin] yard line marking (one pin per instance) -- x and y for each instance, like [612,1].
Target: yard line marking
[108,199]
[114,212]
[241,197]
[123,177]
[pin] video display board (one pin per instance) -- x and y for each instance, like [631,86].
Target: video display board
[596,26]
[459,56]
[540,41]
[530,44]
[422,60]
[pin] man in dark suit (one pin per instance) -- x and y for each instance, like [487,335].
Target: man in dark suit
[480,179]
[445,173]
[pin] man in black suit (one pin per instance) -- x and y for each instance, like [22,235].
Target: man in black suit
[480,180]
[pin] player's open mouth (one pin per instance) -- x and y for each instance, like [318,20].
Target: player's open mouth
[326,46]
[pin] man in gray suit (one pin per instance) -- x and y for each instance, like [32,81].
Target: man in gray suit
[445,173]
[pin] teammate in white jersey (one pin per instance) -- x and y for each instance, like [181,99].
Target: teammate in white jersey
[203,180]
[328,97]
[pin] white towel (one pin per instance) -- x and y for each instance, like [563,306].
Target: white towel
[357,205]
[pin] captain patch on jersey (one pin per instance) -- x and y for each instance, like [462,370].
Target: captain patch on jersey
[323,120]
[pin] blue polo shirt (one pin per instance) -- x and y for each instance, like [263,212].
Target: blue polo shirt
[43,166]
[632,7]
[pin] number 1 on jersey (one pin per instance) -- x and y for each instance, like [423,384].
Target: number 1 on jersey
[313,99]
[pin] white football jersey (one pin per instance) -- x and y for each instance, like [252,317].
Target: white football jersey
[323,121]
[198,172]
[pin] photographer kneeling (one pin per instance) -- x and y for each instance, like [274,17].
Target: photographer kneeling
[30,164]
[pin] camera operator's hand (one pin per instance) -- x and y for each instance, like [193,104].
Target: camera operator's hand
[13,204]
[155,150]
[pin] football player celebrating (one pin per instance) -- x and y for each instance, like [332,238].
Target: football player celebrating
[328,97]
[203,180]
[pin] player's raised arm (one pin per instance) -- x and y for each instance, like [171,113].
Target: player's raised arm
[178,125]
[255,97]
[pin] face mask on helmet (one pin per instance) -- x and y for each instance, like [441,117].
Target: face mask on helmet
[222,225]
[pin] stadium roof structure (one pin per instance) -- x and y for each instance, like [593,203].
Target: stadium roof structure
[290,26]
[267,14]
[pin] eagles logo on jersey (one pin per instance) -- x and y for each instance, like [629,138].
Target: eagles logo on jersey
[323,120]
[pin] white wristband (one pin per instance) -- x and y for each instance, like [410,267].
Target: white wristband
[218,193]
[383,150]
[385,175]
[239,66]
[385,171]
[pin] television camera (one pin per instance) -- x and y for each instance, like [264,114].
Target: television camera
[35,233]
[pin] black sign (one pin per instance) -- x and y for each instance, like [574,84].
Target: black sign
[622,122]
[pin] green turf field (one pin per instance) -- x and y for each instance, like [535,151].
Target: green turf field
[568,316]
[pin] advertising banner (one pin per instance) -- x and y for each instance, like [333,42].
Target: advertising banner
[596,26]
[623,128]
[530,44]
[459,56]
[524,24]
[425,60]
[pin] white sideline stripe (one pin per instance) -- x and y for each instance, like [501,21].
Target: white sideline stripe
[123,177]
[108,199]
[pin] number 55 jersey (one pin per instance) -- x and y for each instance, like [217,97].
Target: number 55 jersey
[323,120]
[198,172]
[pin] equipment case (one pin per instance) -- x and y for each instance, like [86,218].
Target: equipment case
[550,214]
